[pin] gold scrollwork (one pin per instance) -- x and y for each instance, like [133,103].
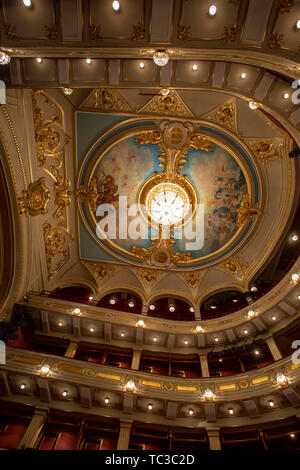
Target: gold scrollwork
[225,113]
[95,32]
[89,194]
[200,142]
[236,265]
[184,32]
[266,152]
[149,137]
[101,271]
[229,34]
[35,199]
[246,210]
[56,248]
[276,40]
[106,99]
[192,279]
[11,32]
[138,32]
[285,6]
[51,32]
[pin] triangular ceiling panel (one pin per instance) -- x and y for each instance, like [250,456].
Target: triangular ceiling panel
[224,115]
[107,100]
[169,105]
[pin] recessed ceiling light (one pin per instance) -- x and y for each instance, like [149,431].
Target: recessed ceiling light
[271,403]
[122,334]
[39,60]
[22,386]
[212,10]
[65,393]
[273,317]
[220,360]
[116,5]
[286,96]
[60,323]
[253,105]
[27,3]
[235,301]
[154,339]
[172,308]
[89,61]
[150,406]
[245,332]
[213,306]
[253,289]
[142,65]
[293,435]
[195,67]
[243,75]
[92,330]
[295,237]
[295,277]
[131,304]
[216,340]
[256,352]
[112,301]
[191,412]
[152,307]
[91,298]
[192,310]
[298,24]
[186,341]
[251,314]
[298,296]
[106,400]
[230,411]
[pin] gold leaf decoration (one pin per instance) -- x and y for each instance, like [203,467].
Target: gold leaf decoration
[11,32]
[172,105]
[89,194]
[149,137]
[236,265]
[138,32]
[56,248]
[95,32]
[106,99]
[229,33]
[224,115]
[266,152]
[200,142]
[184,33]
[276,40]
[246,210]
[192,279]
[181,258]
[51,32]
[101,271]
[285,6]
[35,199]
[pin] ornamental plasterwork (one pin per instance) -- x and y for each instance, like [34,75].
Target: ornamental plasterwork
[106,99]
[95,32]
[35,199]
[266,152]
[236,266]
[138,32]
[100,271]
[184,33]
[192,279]
[285,6]
[224,115]
[51,32]
[229,33]
[246,211]
[89,194]
[276,40]
[171,104]
[50,141]
[148,277]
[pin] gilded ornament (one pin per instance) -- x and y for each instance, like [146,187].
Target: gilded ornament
[101,271]
[184,33]
[95,32]
[235,265]
[106,99]
[199,142]
[168,103]
[276,40]
[35,199]
[138,32]
[149,137]
[89,194]
[51,32]
[192,279]
[246,211]
[285,6]
[62,199]
[149,276]
[11,32]
[229,33]
[266,152]
[181,258]
[56,248]
[225,113]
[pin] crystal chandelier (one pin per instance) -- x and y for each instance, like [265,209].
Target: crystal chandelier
[167,204]
[161,58]
[4,58]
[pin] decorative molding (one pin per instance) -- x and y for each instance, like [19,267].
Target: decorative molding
[236,266]
[89,194]
[225,115]
[101,271]
[51,33]
[276,40]
[106,99]
[246,211]
[184,33]
[56,247]
[138,32]
[266,152]
[229,34]
[192,279]
[171,104]
[11,32]
[95,32]
[285,6]
[35,199]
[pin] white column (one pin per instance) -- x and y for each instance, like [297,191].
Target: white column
[135,364]
[214,438]
[34,428]
[204,365]
[124,435]
[72,349]
[273,348]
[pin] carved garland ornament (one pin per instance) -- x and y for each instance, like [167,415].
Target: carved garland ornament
[246,211]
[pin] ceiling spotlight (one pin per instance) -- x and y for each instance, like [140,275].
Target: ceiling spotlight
[65,393]
[161,58]
[230,411]
[150,406]
[106,400]
[27,3]
[208,394]
[253,105]
[216,340]
[245,332]
[154,339]
[116,5]
[92,330]
[22,386]
[39,60]
[131,304]
[295,277]
[122,334]
[253,289]
[286,96]
[298,296]
[220,360]
[186,341]
[212,10]
[76,311]
[235,301]
[271,403]
[152,307]
[60,323]
[141,323]
[293,435]
[172,308]
[45,369]
[199,329]
[91,298]
[142,65]
[256,352]
[298,24]
[273,317]
[192,310]
[295,237]
[213,306]
[195,67]
[243,75]
[191,412]
[112,301]
[89,61]
[251,314]
[4,58]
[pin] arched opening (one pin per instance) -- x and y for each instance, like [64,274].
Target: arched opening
[222,303]
[124,301]
[171,309]
[79,294]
